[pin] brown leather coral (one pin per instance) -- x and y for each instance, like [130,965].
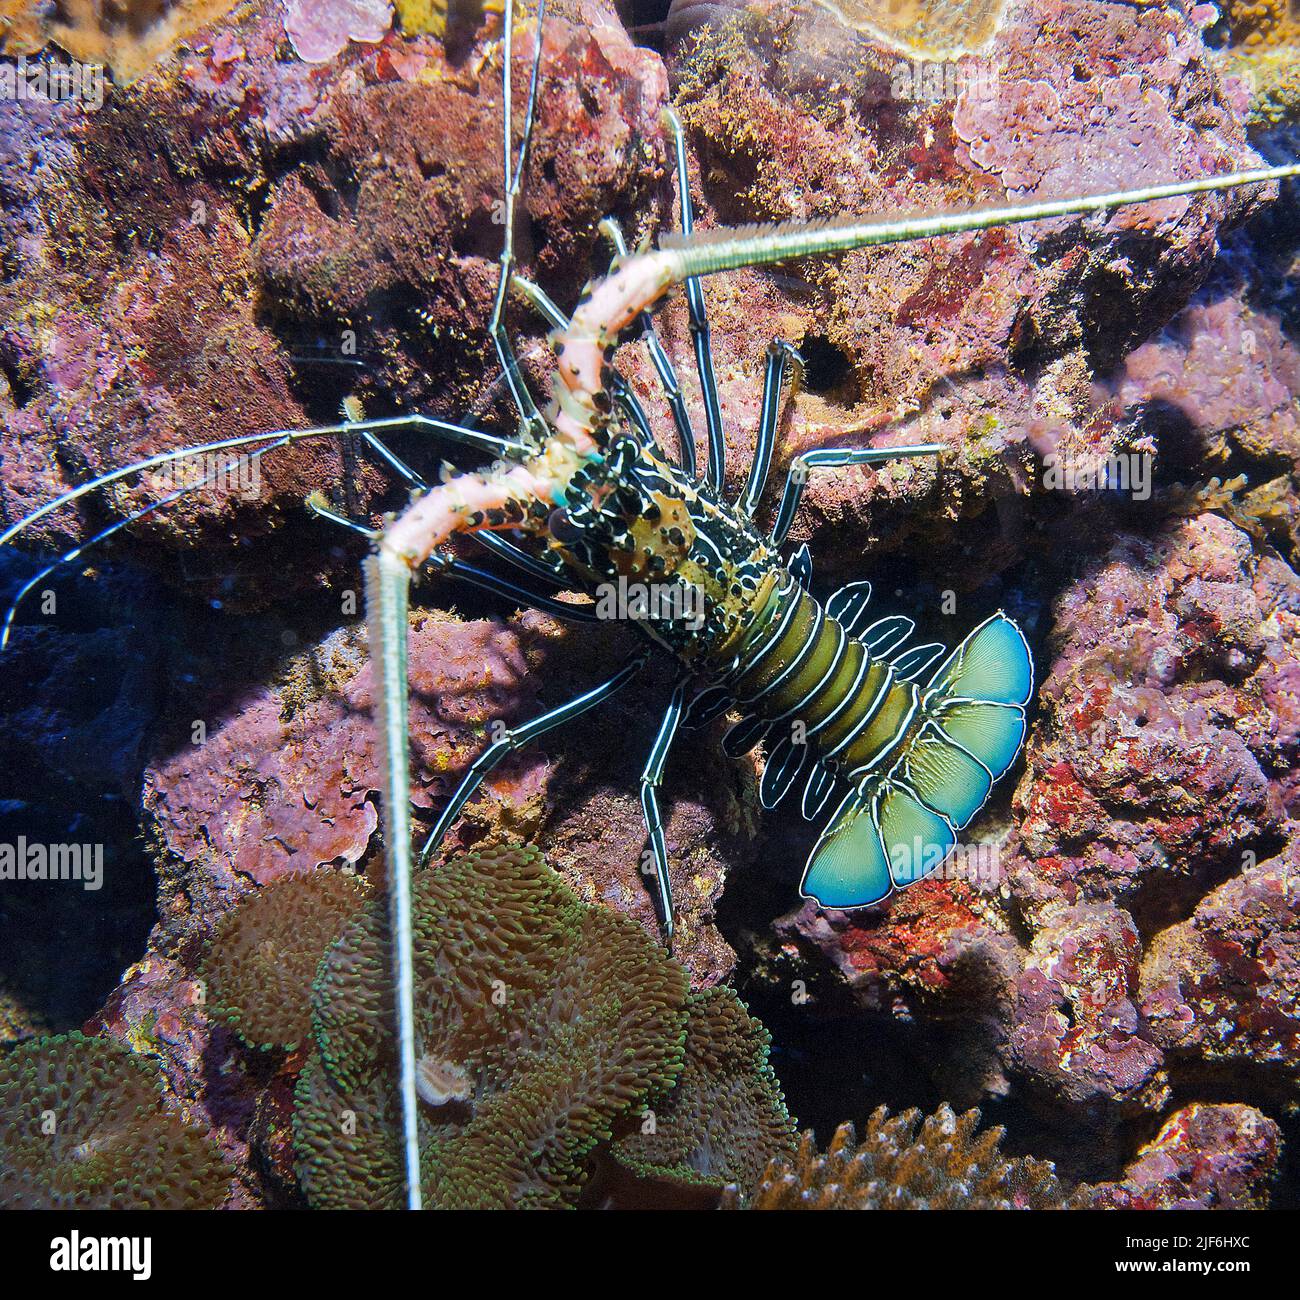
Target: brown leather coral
[82,1127]
[725,1119]
[264,954]
[543,1026]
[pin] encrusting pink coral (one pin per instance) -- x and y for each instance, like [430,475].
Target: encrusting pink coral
[1205,1156]
[321,29]
[288,782]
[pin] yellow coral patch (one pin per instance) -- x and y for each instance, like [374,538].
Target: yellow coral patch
[128,37]
[21,28]
[943,29]
[1262,22]
[422,17]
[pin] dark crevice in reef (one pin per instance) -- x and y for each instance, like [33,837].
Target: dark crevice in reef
[77,698]
[20,389]
[828,370]
[836,1066]
[329,179]
[1110,329]
[1260,256]
[64,947]
[113,679]
[1163,900]
[257,203]
[645,21]
[1286,1191]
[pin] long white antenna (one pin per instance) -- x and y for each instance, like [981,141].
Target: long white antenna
[728,249]
[388,585]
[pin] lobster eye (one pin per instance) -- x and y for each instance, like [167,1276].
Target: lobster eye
[562,528]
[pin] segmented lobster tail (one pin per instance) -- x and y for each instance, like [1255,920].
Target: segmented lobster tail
[898,825]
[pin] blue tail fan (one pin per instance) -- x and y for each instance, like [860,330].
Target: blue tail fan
[897,827]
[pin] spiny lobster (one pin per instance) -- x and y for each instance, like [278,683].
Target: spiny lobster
[589,497]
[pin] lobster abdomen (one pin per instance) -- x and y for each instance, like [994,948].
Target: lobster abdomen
[807,670]
[839,707]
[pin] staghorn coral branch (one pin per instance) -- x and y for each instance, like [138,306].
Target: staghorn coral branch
[902,1163]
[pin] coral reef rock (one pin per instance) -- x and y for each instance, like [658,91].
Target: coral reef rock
[286,777]
[1205,1157]
[971,341]
[1221,987]
[239,242]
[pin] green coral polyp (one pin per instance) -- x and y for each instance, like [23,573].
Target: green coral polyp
[547,1031]
[82,1127]
[264,954]
[558,1021]
[726,1117]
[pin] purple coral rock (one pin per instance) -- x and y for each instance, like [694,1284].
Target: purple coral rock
[1224,985]
[913,344]
[1085,124]
[1228,370]
[1077,1030]
[153,307]
[1204,1157]
[1147,768]
[289,780]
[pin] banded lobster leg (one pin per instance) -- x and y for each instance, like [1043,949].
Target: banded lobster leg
[663,365]
[715,470]
[517,738]
[834,458]
[453,567]
[651,777]
[620,389]
[780,354]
